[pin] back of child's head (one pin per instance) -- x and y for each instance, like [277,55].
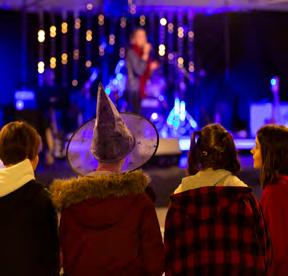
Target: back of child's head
[18,141]
[273,141]
[212,147]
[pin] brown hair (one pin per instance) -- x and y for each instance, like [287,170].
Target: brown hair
[214,149]
[273,141]
[18,141]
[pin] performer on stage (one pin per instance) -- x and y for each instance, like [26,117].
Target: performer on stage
[139,66]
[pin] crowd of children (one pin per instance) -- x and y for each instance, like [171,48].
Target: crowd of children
[107,223]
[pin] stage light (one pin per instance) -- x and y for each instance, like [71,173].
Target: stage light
[89,6]
[41,36]
[76,54]
[41,67]
[64,58]
[273,81]
[74,83]
[170,28]
[53,62]
[89,36]
[77,24]
[142,20]
[182,111]
[53,31]
[191,35]
[101,19]
[88,63]
[64,28]
[111,39]
[163,21]
[123,22]
[19,105]
[191,67]
[154,116]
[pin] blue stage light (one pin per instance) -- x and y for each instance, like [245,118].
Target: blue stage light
[273,81]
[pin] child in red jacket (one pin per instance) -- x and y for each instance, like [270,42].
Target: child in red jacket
[108,223]
[271,156]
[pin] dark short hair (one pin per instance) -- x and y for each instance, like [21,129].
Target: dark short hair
[134,31]
[212,147]
[273,141]
[18,141]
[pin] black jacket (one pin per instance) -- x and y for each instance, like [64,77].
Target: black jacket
[28,233]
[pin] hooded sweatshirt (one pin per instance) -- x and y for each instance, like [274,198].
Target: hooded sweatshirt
[108,226]
[28,225]
[214,226]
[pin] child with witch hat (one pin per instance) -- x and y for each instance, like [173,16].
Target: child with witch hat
[108,223]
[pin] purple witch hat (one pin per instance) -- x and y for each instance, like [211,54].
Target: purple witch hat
[110,137]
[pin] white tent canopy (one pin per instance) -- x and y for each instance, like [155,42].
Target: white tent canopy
[77,5]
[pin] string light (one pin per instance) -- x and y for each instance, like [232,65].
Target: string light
[142,20]
[89,35]
[74,83]
[53,31]
[88,63]
[170,56]
[161,50]
[89,6]
[77,24]
[41,36]
[180,32]
[180,61]
[191,35]
[191,67]
[101,51]
[76,54]
[41,67]
[64,28]
[111,39]
[122,52]
[170,28]
[101,19]
[133,9]
[123,22]
[64,58]
[53,62]
[163,21]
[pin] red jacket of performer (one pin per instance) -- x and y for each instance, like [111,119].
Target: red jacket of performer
[108,226]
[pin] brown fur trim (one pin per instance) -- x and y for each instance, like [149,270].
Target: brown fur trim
[66,192]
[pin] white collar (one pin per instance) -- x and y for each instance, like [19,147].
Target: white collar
[14,177]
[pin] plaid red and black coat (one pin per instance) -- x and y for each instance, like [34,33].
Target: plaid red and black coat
[216,231]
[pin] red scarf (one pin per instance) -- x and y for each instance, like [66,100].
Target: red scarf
[146,76]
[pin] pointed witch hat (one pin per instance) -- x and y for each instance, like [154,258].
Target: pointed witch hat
[110,137]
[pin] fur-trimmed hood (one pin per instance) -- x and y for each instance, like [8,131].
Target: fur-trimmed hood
[66,192]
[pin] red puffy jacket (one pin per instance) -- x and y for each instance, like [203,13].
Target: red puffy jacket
[108,226]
